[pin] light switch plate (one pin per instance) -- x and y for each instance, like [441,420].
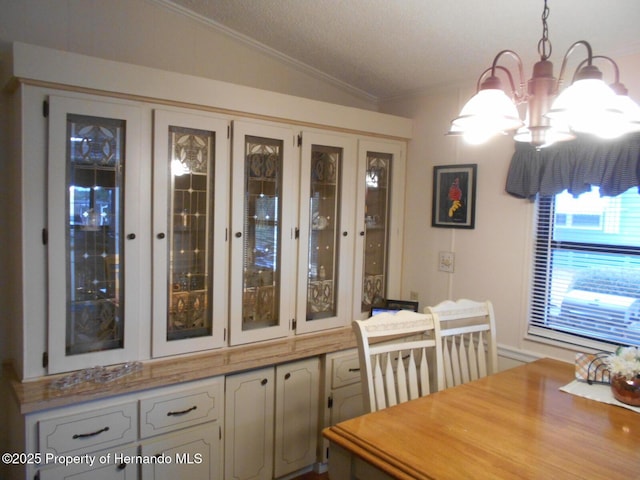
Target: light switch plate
[446,262]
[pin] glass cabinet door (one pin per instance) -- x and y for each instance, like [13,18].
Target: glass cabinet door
[377,177]
[93,156]
[326,231]
[381,168]
[264,232]
[191,161]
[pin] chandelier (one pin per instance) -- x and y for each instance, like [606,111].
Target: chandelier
[587,106]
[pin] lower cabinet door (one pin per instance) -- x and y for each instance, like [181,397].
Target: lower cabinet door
[248,423]
[297,411]
[190,453]
[105,465]
[347,403]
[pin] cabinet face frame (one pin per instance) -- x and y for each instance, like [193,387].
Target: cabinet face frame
[132,233]
[395,215]
[339,219]
[217,259]
[287,232]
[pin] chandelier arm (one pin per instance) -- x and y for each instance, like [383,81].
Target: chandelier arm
[588,60]
[491,70]
[519,93]
[616,70]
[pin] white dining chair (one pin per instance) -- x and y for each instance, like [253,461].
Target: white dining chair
[399,353]
[468,333]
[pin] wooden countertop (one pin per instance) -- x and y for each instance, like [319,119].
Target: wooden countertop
[516,424]
[35,395]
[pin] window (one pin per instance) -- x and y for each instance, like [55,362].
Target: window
[586,277]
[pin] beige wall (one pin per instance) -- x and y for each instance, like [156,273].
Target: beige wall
[148,33]
[493,260]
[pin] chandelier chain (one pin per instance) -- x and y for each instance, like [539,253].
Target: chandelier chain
[544,45]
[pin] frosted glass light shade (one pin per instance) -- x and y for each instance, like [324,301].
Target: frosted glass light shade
[587,106]
[487,113]
[629,121]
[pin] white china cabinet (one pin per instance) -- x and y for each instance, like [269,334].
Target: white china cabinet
[271,420]
[380,222]
[263,229]
[190,219]
[326,234]
[94,173]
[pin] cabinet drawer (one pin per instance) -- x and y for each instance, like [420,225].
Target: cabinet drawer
[345,369]
[180,409]
[87,431]
[99,470]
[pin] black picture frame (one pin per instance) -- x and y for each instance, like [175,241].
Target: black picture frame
[454,196]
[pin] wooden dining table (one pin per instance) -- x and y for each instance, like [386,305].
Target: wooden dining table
[516,424]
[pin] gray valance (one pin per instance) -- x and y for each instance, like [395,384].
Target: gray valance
[613,165]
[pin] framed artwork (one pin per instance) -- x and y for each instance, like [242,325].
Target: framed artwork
[454,196]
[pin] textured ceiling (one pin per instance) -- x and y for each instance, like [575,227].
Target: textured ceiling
[386,48]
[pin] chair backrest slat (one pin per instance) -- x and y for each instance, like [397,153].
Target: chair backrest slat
[467,330]
[396,352]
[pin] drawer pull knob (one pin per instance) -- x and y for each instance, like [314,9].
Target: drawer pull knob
[93,434]
[121,466]
[182,412]
[264,382]
[287,376]
[354,369]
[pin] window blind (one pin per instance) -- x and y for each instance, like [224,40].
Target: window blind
[586,275]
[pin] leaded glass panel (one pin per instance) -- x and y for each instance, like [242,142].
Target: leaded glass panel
[377,188]
[324,203]
[190,221]
[262,232]
[94,216]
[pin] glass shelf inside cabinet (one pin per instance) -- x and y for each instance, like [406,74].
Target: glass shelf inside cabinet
[324,223]
[377,188]
[262,233]
[95,158]
[190,238]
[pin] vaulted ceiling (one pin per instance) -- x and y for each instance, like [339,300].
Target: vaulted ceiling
[386,48]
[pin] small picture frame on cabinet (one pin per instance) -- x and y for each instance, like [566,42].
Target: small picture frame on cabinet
[454,196]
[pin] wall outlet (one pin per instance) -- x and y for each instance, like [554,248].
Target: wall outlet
[446,262]
[413,296]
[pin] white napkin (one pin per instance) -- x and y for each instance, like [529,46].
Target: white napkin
[598,392]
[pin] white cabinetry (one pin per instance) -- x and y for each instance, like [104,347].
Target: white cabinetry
[278,403]
[88,431]
[170,432]
[263,226]
[296,427]
[249,417]
[326,246]
[192,453]
[95,256]
[342,390]
[190,223]
[380,223]
[109,469]
[190,419]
